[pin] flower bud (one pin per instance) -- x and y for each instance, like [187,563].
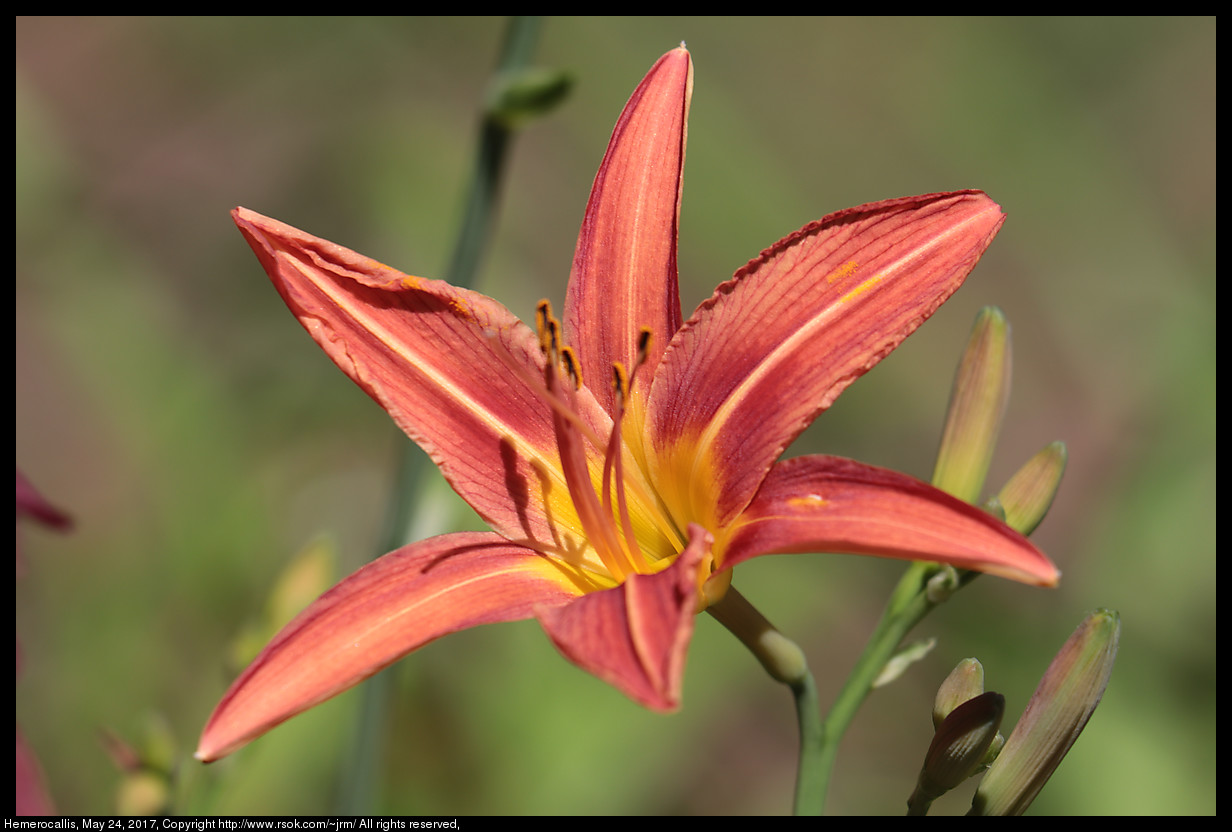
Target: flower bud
[1027,496]
[966,681]
[981,389]
[1055,716]
[958,748]
[515,98]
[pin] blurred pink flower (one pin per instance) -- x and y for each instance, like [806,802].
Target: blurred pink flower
[32,795]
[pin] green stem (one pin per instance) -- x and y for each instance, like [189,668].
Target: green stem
[784,661]
[359,788]
[907,606]
[494,135]
[810,780]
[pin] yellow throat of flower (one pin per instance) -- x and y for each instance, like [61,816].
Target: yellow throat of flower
[627,527]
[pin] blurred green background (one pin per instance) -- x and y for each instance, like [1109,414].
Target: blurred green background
[168,401]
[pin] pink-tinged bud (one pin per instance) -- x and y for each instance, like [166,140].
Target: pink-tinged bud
[958,748]
[1055,716]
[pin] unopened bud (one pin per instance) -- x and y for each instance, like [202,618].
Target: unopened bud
[981,389]
[966,681]
[1058,711]
[1027,496]
[958,748]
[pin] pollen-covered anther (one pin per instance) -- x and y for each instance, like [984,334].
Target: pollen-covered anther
[644,338]
[620,383]
[568,359]
[548,329]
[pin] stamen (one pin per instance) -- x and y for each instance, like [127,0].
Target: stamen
[608,529]
[620,383]
[595,521]
[643,346]
[572,367]
[613,461]
[570,432]
[543,314]
[554,335]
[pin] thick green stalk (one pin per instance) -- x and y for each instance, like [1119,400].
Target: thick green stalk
[907,606]
[810,772]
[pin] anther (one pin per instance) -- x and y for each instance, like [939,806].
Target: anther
[620,383]
[643,345]
[572,367]
[543,313]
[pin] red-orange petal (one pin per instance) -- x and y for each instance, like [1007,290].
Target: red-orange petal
[437,359]
[636,636]
[390,607]
[624,267]
[831,504]
[777,344]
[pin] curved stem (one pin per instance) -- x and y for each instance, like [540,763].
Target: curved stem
[810,779]
[908,605]
[783,659]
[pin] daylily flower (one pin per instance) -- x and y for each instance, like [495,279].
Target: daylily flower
[625,461]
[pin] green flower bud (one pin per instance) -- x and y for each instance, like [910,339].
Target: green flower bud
[1027,496]
[966,681]
[981,389]
[515,98]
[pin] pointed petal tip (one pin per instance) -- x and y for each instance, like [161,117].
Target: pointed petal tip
[247,219]
[215,744]
[221,738]
[1052,580]
[210,750]
[624,275]
[677,60]
[1046,576]
[250,223]
[241,215]
[386,610]
[1030,566]
[830,504]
